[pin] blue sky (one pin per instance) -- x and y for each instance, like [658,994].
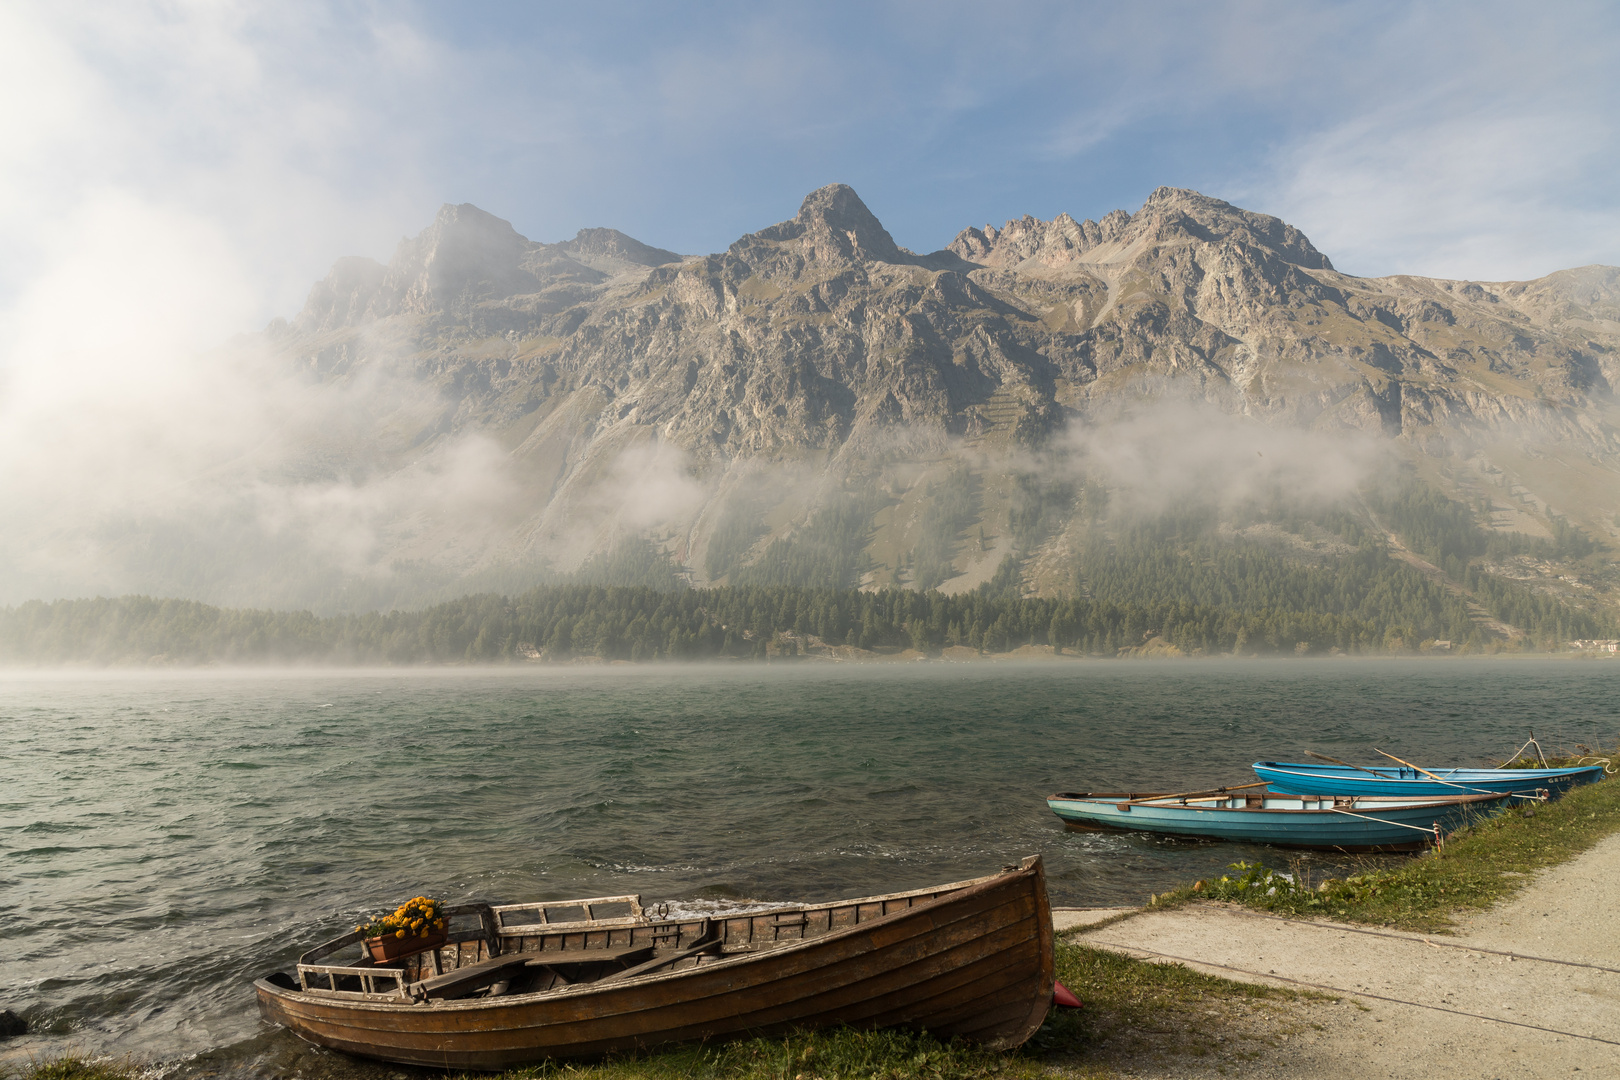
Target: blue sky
[262,141]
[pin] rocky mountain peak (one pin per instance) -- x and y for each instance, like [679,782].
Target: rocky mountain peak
[613,246]
[467,258]
[466,254]
[1169,215]
[832,225]
[1180,214]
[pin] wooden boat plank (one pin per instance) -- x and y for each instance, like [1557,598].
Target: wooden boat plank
[951,990]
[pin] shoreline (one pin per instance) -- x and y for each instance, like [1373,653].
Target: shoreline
[902,659]
[1195,989]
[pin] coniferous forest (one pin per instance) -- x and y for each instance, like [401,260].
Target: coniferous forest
[1192,583]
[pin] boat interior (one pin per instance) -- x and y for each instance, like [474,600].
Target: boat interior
[1261,800]
[517,949]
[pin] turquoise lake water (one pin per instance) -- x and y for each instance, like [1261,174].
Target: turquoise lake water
[167,837]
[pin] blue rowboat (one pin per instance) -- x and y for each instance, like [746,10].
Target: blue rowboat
[1344,823]
[1299,779]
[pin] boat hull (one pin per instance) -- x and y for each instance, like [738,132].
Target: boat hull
[974,963]
[1303,779]
[1362,824]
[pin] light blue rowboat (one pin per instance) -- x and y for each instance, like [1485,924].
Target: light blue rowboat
[1301,779]
[1344,823]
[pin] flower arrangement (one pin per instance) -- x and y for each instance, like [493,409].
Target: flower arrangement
[420,916]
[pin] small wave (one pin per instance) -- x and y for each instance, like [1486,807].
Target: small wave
[54,827]
[27,853]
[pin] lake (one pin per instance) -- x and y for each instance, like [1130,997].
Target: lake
[166,837]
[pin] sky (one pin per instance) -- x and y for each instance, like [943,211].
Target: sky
[252,144]
[175,173]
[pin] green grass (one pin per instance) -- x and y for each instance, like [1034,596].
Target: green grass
[841,1053]
[827,1055]
[1138,1009]
[1477,867]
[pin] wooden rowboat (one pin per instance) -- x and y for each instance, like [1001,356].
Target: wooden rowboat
[1325,822]
[1407,782]
[971,959]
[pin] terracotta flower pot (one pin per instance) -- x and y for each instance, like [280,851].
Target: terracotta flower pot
[388,947]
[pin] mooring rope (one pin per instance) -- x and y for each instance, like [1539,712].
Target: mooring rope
[1529,742]
[1433,830]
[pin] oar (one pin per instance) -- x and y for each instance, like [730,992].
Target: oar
[1425,772]
[1190,794]
[1346,764]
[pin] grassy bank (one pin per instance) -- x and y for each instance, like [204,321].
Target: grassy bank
[1475,868]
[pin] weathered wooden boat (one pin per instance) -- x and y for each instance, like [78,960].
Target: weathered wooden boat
[1328,822]
[1406,782]
[514,985]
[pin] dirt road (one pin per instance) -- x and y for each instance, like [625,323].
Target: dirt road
[1530,988]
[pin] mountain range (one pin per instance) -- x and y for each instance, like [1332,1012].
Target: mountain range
[937,413]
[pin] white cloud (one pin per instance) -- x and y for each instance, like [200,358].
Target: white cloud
[1475,142]
[1168,451]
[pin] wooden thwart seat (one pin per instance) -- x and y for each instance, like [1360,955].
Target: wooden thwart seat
[465,980]
[653,965]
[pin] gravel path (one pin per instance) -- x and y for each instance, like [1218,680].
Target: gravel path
[1420,1006]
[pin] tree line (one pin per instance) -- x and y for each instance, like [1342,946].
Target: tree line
[641,623]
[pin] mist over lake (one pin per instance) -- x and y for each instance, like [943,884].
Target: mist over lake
[167,837]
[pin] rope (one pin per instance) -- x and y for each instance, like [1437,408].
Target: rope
[1603,761]
[1433,830]
[1360,993]
[1529,742]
